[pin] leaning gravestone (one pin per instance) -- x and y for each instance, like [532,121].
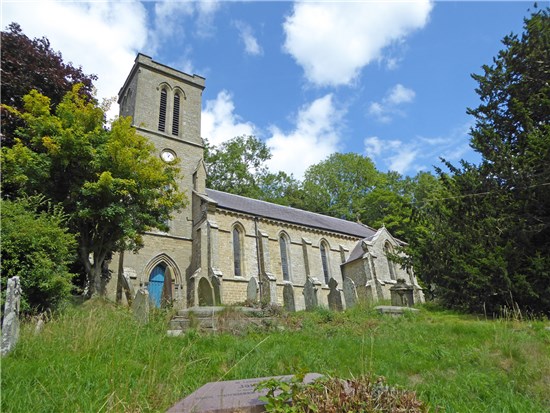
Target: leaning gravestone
[350,292]
[10,325]
[334,296]
[236,396]
[140,306]
[288,297]
[310,295]
[252,290]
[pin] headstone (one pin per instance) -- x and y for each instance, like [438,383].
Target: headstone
[230,396]
[288,297]
[140,305]
[334,296]
[402,294]
[310,294]
[350,292]
[269,288]
[10,325]
[252,290]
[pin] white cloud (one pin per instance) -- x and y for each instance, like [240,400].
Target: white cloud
[373,146]
[389,106]
[102,37]
[420,153]
[400,94]
[219,122]
[315,137]
[334,41]
[251,45]
[403,159]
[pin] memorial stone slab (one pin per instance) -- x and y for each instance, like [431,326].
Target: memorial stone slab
[252,290]
[10,325]
[334,296]
[288,297]
[310,295]
[235,396]
[140,306]
[350,292]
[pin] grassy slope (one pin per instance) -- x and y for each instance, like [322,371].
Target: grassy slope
[96,358]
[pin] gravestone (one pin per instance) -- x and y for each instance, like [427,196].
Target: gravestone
[252,290]
[288,297]
[310,294]
[334,296]
[235,396]
[10,325]
[350,292]
[140,306]
[402,294]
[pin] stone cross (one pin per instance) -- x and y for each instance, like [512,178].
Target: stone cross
[10,325]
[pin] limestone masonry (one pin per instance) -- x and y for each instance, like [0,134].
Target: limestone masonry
[226,249]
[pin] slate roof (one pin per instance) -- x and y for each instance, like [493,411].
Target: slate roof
[287,214]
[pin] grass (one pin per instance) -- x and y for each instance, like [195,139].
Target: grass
[96,358]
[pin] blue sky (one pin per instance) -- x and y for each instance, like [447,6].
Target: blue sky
[390,80]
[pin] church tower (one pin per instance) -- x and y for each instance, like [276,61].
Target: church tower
[165,106]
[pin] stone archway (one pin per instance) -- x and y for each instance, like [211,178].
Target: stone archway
[171,285]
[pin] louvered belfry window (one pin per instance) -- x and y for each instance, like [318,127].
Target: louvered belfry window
[162,112]
[284,258]
[176,115]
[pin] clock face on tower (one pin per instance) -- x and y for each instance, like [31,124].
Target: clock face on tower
[167,155]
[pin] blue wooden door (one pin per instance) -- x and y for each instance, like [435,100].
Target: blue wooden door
[156,283]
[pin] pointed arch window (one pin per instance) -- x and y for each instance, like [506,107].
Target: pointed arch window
[176,115]
[237,251]
[285,263]
[324,260]
[388,251]
[162,110]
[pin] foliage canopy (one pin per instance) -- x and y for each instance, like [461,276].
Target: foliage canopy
[38,248]
[29,64]
[108,181]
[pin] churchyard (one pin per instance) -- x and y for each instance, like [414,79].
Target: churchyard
[97,357]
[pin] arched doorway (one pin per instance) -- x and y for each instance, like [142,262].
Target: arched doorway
[156,284]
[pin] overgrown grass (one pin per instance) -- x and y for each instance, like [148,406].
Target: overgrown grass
[96,358]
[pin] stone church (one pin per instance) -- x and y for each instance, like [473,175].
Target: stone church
[224,248]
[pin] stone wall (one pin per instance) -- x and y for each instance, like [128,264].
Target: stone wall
[304,255]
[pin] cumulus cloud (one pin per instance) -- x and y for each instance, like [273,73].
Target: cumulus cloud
[334,41]
[390,105]
[251,45]
[102,37]
[219,122]
[315,137]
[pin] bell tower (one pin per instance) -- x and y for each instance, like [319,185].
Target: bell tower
[165,106]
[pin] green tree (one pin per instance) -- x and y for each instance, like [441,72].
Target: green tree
[238,166]
[108,181]
[338,185]
[491,242]
[394,201]
[32,64]
[38,248]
